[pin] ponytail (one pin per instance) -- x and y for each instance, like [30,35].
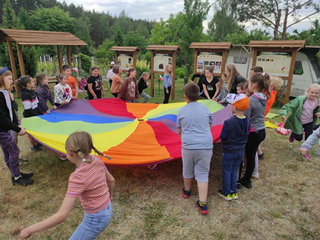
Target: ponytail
[262,80]
[144,74]
[129,71]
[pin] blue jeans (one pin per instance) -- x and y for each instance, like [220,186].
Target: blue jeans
[93,224]
[230,165]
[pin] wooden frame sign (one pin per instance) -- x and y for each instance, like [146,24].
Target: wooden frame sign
[125,57]
[161,56]
[210,55]
[277,58]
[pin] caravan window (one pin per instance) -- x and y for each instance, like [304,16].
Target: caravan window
[298,70]
[240,60]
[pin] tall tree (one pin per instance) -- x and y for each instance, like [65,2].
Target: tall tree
[223,21]
[118,37]
[278,15]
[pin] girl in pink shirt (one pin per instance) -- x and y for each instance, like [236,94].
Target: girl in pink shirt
[91,183]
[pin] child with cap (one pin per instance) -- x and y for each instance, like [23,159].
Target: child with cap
[234,136]
[110,73]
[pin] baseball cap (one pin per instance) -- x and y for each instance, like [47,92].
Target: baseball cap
[112,63]
[240,101]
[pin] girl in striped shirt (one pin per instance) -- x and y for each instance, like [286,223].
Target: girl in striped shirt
[91,183]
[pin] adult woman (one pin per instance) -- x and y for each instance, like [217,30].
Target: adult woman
[211,85]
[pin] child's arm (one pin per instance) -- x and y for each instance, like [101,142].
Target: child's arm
[288,107]
[58,98]
[91,90]
[196,75]
[218,87]
[28,109]
[179,132]
[42,101]
[308,144]
[123,89]
[102,87]
[225,132]
[111,182]
[51,101]
[76,89]
[52,221]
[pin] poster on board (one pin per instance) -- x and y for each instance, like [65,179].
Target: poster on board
[125,61]
[161,60]
[275,63]
[209,59]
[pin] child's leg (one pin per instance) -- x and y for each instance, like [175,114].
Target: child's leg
[234,172]
[297,137]
[201,170]
[256,163]
[11,153]
[145,96]
[187,168]
[93,224]
[308,129]
[255,138]
[259,150]
[227,166]
[32,142]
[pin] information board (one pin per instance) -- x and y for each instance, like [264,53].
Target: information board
[209,59]
[161,60]
[275,63]
[125,61]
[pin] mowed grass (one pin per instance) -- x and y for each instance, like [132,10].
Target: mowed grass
[148,204]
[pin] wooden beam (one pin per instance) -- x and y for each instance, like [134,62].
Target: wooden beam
[20,58]
[152,74]
[293,61]
[59,58]
[14,69]
[69,55]
[134,59]
[173,71]
[195,62]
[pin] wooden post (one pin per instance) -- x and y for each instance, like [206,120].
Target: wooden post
[195,62]
[152,74]
[13,68]
[223,64]
[173,75]
[20,58]
[59,58]
[69,56]
[134,59]
[293,61]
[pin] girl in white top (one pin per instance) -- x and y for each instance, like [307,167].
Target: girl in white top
[62,91]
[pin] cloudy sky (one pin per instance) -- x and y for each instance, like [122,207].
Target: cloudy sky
[156,9]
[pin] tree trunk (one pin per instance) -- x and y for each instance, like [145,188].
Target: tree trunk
[187,74]
[285,23]
[277,25]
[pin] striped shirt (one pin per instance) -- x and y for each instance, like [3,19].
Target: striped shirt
[88,182]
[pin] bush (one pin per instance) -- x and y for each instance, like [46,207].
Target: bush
[85,63]
[181,74]
[142,66]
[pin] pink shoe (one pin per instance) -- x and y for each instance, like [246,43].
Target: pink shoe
[291,138]
[307,157]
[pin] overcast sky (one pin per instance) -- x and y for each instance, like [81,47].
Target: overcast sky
[156,9]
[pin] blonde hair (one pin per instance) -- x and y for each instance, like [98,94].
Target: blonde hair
[2,76]
[81,144]
[276,82]
[144,74]
[166,70]
[316,86]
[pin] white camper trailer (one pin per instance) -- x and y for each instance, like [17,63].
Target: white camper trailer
[306,72]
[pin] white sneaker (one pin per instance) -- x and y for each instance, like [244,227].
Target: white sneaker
[255,175]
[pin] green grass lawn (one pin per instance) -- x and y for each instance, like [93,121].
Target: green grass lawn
[148,204]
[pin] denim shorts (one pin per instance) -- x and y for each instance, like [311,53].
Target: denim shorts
[93,224]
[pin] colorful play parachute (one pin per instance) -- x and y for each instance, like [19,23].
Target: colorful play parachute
[133,134]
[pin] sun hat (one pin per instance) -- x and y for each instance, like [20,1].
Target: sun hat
[112,63]
[240,101]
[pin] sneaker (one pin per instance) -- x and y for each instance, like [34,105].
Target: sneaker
[291,138]
[246,184]
[203,209]
[225,196]
[239,185]
[23,162]
[22,181]
[186,194]
[255,175]
[36,148]
[260,156]
[307,157]
[234,196]
[24,175]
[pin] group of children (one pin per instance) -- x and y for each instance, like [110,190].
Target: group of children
[91,182]
[243,133]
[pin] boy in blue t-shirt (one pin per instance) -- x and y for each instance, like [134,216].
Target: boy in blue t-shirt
[194,122]
[234,136]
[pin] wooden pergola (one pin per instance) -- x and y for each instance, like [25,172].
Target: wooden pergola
[285,47]
[30,37]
